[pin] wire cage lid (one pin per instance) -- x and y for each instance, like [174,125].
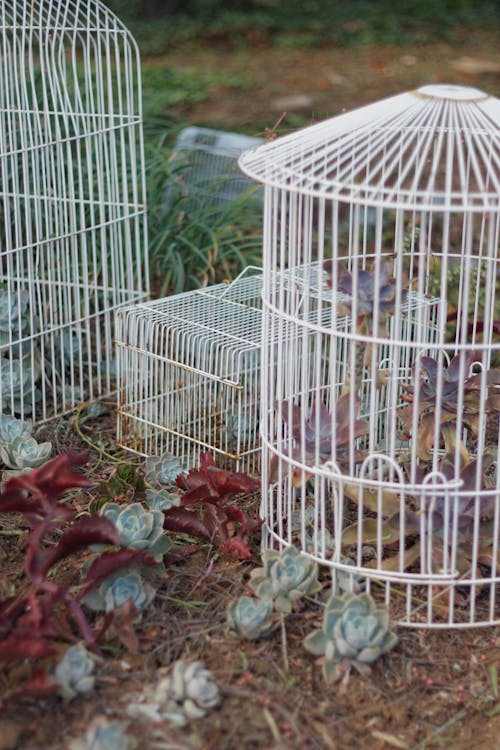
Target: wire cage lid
[77,15]
[436,148]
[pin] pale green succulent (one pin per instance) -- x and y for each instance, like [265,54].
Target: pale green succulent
[139,527]
[354,630]
[105,735]
[189,692]
[16,384]
[14,315]
[250,618]
[285,577]
[118,589]
[243,427]
[161,471]
[24,452]
[161,499]
[73,673]
[350,581]
[10,428]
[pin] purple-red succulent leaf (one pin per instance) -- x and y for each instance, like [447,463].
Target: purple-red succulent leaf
[24,646]
[85,531]
[113,560]
[186,521]
[236,547]
[53,478]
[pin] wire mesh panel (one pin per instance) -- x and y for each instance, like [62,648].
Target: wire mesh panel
[189,375]
[380,421]
[72,233]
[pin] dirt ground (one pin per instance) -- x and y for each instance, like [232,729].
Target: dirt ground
[436,689]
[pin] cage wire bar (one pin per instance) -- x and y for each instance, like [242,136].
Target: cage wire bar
[72,201]
[380,417]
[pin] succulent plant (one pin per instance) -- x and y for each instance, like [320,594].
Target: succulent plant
[369,288]
[315,438]
[10,428]
[119,588]
[242,427]
[285,577]
[350,581]
[454,378]
[161,499]
[189,692]
[73,673]
[161,471]
[14,316]
[355,631]
[25,452]
[139,528]
[250,618]
[105,735]
[16,384]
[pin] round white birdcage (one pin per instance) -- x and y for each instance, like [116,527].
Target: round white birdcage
[380,384]
[72,200]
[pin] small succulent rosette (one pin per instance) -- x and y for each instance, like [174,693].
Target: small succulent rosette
[355,632]
[117,589]
[11,428]
[73,673]
[161,499]
[251,618]
[25,453]
[285,578]
[188,692]
[139,528]
[105,735]
[162,471]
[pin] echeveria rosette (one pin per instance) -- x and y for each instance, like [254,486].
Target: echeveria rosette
[455,378]
[105,735]
[10,428]
[285,577]
[162,471]
[355,632]
[139,528]
[189,692]
[13,315]
[24,452]
[73,673]
[321,437]
[161,499]
[118,589]
[16,384]
[250,618]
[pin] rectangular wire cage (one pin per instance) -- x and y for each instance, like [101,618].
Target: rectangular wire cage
[72,200]
[189,375]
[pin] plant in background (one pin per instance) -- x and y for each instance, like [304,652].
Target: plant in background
[285,578]
[105,735]
[73,673]
[188,692]
[16,384]
[454,379]
[45,610]
[206,509]
[355,632]
[251,618]
[138,527]
[25,453]
[162,471]
[118,589]
[10,428]
[317,437]
[14,316]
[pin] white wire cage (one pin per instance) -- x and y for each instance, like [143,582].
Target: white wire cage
[72,201]
[380,418]
[189,375]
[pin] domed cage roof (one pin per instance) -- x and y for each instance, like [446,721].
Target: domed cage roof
[78,15]
[435,148]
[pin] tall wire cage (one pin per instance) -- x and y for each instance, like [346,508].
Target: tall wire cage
[380,416]
[189,375]
[72,200]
